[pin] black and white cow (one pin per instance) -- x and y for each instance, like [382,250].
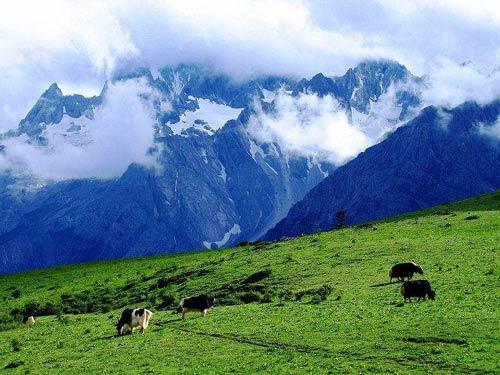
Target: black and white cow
[131,319]
[199,303]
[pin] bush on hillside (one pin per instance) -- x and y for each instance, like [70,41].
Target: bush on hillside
[249,297]
[167,300]
[317,295]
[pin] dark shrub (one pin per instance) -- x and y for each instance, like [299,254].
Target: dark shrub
[244,243]
[249,297]
[324,291]
[257,276]
[16,312]
[15,345]
[128,286]
[266,297]
[364,226]
[315,299]
[317,294]
[62,318]
[228,300]
[13,364]
[167,300]
[443,211]
[163,282]
[74,303]
[50,309]
[16,293]
[285,295]
[31,308]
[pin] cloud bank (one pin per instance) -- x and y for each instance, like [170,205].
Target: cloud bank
[450,84]
[81,43]
[120,134]
[308,125]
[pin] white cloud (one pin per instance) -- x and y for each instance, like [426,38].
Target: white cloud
[76,43]
[385,112]
[484,10]
[492,130]
[450,84]
[120,134]
[309,125]
[241,38]
[79,43]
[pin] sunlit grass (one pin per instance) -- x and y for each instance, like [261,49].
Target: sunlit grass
[362,326]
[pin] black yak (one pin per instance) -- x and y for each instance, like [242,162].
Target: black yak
[401,271]
[417,288]
[199,303]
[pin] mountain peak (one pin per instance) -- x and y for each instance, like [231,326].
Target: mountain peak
[318,77]
[53,92]
[380,65]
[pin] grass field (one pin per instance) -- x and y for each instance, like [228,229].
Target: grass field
[316,304]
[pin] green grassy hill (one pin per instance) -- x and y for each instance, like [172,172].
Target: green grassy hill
[316,304]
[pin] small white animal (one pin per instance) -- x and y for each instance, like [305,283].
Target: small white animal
[30,321]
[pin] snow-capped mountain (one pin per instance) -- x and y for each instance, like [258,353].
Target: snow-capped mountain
[214,184]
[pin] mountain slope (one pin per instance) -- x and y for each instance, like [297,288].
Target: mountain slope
[295,323]
[441,155]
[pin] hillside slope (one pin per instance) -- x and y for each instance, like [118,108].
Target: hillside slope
[321,304]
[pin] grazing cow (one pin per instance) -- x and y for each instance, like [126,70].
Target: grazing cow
[30,321]
[417,288]
[401,270]
[131,319]
[199,303]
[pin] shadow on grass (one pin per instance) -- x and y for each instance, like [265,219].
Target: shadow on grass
[436,340]
[159,323]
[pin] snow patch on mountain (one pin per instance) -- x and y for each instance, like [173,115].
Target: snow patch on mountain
[223,173]
[234,231]
[269,96]
[255,149]
[383,116]
[208,118]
